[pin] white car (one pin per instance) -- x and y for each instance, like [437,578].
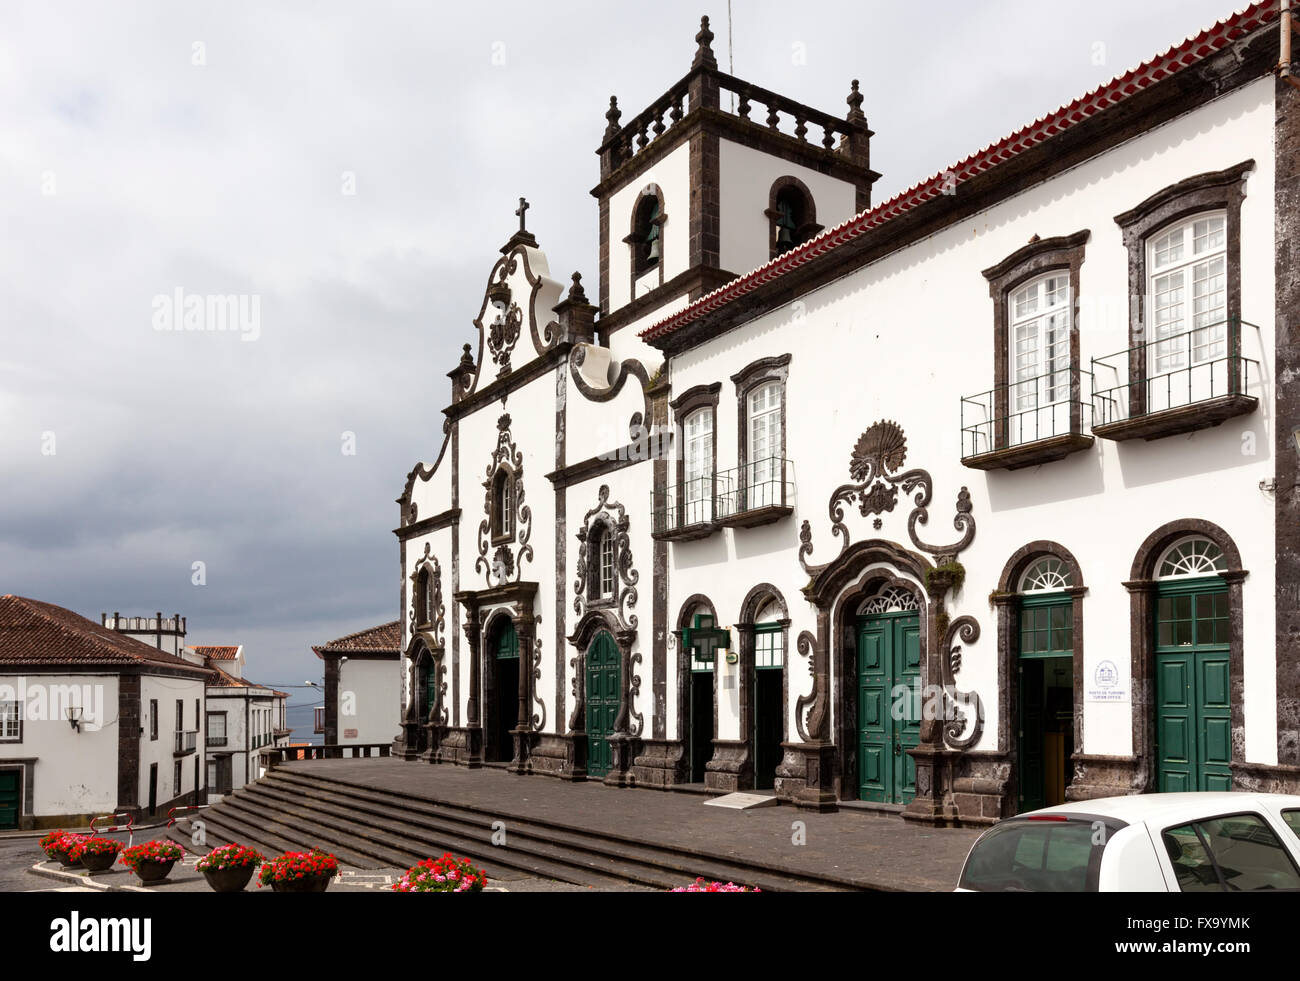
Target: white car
[1201,842]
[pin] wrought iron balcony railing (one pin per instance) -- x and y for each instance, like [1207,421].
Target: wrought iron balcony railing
[756,493]
[1198,366]
[216,740]
[1021,412]
[186,742]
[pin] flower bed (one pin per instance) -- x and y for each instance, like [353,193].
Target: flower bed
[96,854]
[229,857]
[699,885]
[298,870]
[446,874]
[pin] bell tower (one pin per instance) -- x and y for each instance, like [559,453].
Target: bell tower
[715,178]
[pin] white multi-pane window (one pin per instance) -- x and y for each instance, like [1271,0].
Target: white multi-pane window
[1039,317]
[769,638]
[765,466]
[698,492]
[604,562]
[504,512]
[10,722]
[1187,287]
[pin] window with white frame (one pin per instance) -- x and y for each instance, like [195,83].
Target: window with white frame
[764,449]
[1046,575]
[1039,317]
[11,726]
[769,638]
[1191,557]
[600,548]
[1187,276]
[503,514]
[698,492]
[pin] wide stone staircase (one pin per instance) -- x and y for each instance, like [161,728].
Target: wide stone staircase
[370,828]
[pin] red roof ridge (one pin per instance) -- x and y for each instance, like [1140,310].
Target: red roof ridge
[1176,58]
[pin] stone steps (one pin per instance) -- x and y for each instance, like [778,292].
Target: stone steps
[373,828]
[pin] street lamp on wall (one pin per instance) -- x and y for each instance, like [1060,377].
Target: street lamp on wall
[74,717]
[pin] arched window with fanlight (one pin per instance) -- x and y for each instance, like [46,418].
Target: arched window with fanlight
[1193,630]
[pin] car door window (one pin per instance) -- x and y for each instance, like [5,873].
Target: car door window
[1292,819]
[1232,853]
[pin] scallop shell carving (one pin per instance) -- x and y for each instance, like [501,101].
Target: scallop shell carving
[881,450]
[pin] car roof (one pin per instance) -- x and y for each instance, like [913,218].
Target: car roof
[1157,807]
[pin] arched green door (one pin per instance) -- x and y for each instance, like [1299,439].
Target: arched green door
[889,665]
[507,694]
[603,687]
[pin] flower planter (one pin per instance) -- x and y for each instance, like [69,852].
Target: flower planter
[150,872]
[229,880]
[64,858]
[307,883]
[98,861]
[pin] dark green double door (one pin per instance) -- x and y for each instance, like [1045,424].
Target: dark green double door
[1193,693]
[603,688]
[889,704]
[10,788]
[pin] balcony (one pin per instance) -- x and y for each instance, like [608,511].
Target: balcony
[1026,423]
[216,741]
[1179,384]
[685,512]
[186,742]
[758,493]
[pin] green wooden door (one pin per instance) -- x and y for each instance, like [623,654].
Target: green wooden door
[889,679]
[10,787]
[507,695]
[603,677]
[430,689]
[1193,726]
[1046,650]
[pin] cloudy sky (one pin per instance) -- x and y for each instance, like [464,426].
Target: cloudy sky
[354,167]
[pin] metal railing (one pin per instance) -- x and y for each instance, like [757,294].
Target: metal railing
[1023,411]
[710,497]
[216,740]
[761,484]
[348,751]
[187,742]
[1183,369]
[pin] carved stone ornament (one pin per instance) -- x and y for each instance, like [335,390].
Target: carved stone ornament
[614,518]
[880,452]
[506,564]
[437,611]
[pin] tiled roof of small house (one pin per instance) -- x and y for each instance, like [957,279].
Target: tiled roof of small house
[384,639]
[1178,58]
[37,633]
[218,653]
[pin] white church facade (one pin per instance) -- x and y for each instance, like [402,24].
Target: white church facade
[978,499]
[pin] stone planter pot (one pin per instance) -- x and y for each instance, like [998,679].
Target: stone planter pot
[309,883]
[98,861]
[149,872]
[64,858]
[229,880]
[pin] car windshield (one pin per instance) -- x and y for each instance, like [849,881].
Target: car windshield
[1035,856]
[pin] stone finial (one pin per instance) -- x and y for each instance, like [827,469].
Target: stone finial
[613,116]
[466,358]
[854,100]
[704,53]
[576,293]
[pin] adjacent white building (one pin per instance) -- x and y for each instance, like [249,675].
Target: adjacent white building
[362,683]
[92,722]
[979,498]
[243,718]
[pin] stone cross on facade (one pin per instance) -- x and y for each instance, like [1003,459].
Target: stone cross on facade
[522,213]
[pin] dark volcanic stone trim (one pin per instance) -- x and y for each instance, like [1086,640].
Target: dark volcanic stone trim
[332,701]
[604,256]
[561,538]
[507,385]
[1286,418]
[636,271]
[1007,599]
[693,283]
[684,667]
[659,584]
[1220,190]
[128,742]
[807,229]
[455,574]
[1036,258]
[706,183]
[1142,596]
[1240,64]
[436,523]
